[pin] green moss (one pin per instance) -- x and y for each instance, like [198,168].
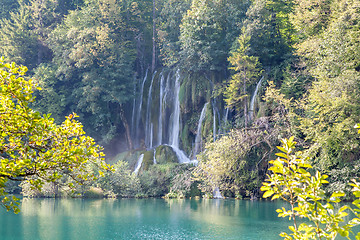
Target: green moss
[148,160]
[186,138]
[165,154]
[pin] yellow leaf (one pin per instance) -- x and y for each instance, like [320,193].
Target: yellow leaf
[268,193]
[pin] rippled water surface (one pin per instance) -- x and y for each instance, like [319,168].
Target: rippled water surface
[142,219]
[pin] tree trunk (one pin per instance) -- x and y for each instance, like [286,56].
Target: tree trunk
[153,39]
[127,128]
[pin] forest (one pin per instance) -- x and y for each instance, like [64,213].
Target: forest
[215,84]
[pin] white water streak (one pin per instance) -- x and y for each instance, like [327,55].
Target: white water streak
[198,133]
[253,99]
[138,116]
[148,131]
[160,128]
[139,163]
[174,139]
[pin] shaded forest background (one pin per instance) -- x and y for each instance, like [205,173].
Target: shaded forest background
[87,56]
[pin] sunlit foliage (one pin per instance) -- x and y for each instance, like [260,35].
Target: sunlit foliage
[32,145]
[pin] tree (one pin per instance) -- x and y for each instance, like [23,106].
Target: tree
[44,18]
[94,56]
[24,33]
[331,105]
[226,164]
[247,71]
[310,17]
[7,6]
[19,44]
[270,30]
[169,30]
[32,145]
[207,31]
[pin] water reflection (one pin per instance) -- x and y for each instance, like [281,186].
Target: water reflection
[143,219]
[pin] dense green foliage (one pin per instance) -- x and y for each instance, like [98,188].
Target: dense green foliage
[91,57]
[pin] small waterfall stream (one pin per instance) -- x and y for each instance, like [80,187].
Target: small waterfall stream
[253,99]
[155,162]
[148,124]
[175,130]
[138,164]
[133,113]
[198,141]
[138,115]
[226,117]
[161,111]
[217,194]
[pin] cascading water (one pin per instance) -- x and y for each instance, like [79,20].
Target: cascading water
[198,133]
[214,122]
[151,135]
[175,130]
[162,99]
[138,115]
[226,117]
[133,114]
[169,118]
[217,194]
[253,99]
[148,130]
[138,164]
[155,156]
[216,119]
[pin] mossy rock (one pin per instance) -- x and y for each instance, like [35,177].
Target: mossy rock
[165,154]
[148,160]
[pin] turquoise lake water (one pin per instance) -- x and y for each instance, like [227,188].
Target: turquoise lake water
[142,219]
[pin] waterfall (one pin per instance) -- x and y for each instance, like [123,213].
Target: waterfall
[138,116]
[151,136]
[175,130]
[138,164]
[155,156]
[133,114]
[198,133]
[214,122]
[253,99]
[175,126]
[162,99]
[169,114]
[226,117]
[217,194]
[148,130]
